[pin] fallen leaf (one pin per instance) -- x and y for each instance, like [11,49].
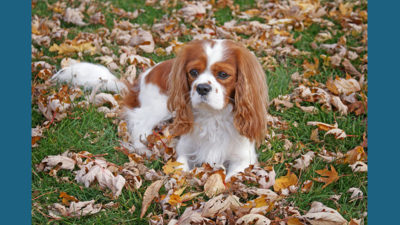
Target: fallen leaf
[337,102]
[74,16]
[355,222]
[294,221]
[73,46]
[331,129]
[66,198]
[219,204]
[53,160]
[355,193]
[150,193]
[319,214]
[323,36]
[359,167]
[314,135]
[191,216]
[307,186]
[97,170]
[76,209]
[358,107]
[343,86]
[354,155]
[254,219]
[286,181]
[171,167]
[338,133]
[350,68]
[214,185]
[304,160]
[328,177]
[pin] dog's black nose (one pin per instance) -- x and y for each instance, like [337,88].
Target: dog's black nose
[203,89]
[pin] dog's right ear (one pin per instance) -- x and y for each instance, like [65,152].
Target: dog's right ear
[178,95]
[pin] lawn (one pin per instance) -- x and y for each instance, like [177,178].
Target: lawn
[315,56]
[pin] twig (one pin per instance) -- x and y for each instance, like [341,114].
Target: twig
[48,216]
[91,156]
[50,192]
[33,171]
[157,135]
[52,120]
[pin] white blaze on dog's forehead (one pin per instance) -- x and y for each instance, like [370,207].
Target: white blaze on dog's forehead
[214,53]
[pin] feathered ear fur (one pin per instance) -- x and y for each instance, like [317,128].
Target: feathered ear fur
[179,97]
[251,97]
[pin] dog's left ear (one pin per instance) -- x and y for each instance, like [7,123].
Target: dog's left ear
[251,97]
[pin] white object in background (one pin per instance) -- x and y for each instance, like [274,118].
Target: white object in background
[90,76]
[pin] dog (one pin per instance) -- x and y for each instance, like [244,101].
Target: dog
[217,95]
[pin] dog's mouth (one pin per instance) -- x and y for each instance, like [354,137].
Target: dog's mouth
[204,98]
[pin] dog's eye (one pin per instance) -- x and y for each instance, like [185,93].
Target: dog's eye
[194,73]
[222,75]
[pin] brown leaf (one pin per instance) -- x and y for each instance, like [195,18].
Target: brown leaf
[350,68]
[314,135]
[307,186]
[150,193]
[354,155]
[66,199]
[328,177]
[358,107]
[343,86]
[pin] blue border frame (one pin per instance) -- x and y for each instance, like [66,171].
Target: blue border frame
[384,86]
[16,112]
[384,83]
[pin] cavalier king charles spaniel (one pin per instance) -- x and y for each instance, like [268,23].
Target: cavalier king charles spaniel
[217,95]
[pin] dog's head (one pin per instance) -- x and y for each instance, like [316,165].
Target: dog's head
[209,75]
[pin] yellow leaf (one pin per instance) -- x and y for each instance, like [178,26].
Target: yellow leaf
[253,12]
[189,196]
[175,200]
[294,221]
[179,191]
[73,46]
[285,181]
[170,167]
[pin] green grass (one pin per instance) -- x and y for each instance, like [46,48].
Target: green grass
[69,133]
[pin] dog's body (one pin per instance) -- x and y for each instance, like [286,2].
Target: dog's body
[217,94]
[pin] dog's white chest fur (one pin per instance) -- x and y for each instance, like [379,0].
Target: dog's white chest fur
[212,135]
